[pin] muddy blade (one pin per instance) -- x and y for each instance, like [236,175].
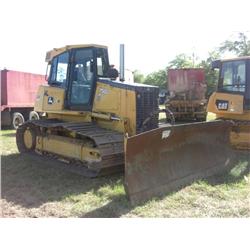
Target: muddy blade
[164,159]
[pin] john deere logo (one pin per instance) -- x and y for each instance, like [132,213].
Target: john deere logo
[50,100]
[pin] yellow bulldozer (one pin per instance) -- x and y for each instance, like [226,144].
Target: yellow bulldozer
[100,125]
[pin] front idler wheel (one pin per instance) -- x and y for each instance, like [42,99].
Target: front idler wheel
[26,138]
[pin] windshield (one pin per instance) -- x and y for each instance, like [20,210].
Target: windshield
[233,76]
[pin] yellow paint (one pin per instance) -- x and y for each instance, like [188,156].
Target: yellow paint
[45,93]
[27,137]
[121,103]
[240,137]
[235,104]
[52,53]
[240,140]
[210,116]
[244,117]
[67,116]
[235,109]
[114,108]
[68,147]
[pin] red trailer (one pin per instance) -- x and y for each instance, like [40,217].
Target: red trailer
[18,93]
[187,89]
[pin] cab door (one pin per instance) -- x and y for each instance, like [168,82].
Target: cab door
[82,79]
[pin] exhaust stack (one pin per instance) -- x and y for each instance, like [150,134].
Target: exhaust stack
[122,67]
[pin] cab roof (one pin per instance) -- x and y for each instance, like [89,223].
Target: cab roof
[56,51]
[236,58]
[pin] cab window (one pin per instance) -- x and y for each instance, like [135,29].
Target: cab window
[102,62]
[59,69]
[233,76]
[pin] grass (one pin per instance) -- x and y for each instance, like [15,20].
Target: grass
[35,187]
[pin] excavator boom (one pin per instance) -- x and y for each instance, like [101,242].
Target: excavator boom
[167,158]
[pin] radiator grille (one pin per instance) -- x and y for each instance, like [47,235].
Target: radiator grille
[146,106]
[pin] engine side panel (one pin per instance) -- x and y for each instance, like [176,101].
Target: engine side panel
[120,102]
[223,103]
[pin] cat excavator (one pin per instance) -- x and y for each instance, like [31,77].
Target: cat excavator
[98,125]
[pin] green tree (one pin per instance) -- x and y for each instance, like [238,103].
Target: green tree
[138,76]
[157,78]
[181,61]
[239,46]
[211,76]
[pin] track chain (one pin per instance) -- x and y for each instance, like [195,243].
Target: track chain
[109,143]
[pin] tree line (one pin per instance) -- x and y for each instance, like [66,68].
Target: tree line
[239,46]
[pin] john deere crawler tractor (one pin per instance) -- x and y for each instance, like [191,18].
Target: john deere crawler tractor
[100,126]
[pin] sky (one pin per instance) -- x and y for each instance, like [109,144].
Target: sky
[153,31]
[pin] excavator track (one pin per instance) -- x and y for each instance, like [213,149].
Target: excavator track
[110,144]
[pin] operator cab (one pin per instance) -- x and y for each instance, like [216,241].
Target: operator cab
[76,69]
[234,77]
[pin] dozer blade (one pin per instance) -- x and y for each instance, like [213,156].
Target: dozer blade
[167,158]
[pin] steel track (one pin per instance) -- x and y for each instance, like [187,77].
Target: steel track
[109,143]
